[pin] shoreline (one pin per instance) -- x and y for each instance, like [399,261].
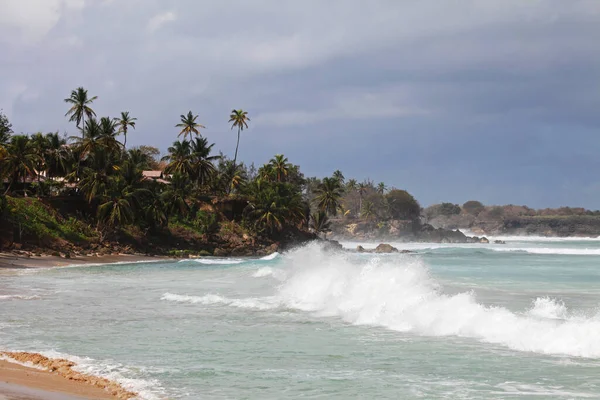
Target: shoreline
[18,261]
[32,376]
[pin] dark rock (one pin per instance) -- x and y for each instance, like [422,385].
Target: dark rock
[385,248]
[499,242]
[484,240]
[332,245]
[360,249]
[406,252]
[220,252]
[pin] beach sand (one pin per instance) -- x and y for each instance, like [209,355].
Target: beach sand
[24,383]
[10,260]
[19,382]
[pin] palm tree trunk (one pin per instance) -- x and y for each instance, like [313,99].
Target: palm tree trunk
[125,141]
[236,148]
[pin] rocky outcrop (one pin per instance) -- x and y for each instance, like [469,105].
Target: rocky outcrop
[385,248]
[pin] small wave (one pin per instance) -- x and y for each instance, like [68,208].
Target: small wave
[548,250]
[270,256]
[263,303]
[262,272]
[18,297]
[215,261]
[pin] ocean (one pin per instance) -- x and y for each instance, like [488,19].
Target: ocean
[480,321]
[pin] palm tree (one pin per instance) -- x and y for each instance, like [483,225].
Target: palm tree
[40,146]
[189,125]
[174,197]
[202,162]
[368,210]
[320,223]
[20,161]
[179,158]
[108,136]
[280,167]
[57,155]
[329,194]
[362,189]
[238,118]
[80,106]
[381,188]
[124,123]
[337,174]
[351,185]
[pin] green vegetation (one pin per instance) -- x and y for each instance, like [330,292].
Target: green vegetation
[90,189]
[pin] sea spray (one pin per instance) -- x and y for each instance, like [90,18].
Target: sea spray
[399,293]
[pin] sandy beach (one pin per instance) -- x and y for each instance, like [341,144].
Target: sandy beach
[16,261]
[18,382]
[49,379]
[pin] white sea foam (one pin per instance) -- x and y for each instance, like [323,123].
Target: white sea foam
[115,372]
[263,303]
[271,256]
[399,294]
[262,272]
[217,261]
[18,297]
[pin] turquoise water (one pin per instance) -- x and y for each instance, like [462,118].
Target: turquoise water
[519,320]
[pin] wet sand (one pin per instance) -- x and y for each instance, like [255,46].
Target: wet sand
[22,383]
[13,261]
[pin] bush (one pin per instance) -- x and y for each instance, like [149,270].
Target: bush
[402,205]
[473,207]
[206,222]
[449,209]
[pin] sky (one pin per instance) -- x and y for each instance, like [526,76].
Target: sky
[452,100]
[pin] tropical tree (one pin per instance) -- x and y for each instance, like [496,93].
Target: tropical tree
[362,190]
[20,160]
[279,166]
[179,159]
[351,185]
[176,194]
[319,223]
[337,174]
[39,142]
[57,155]
[381,188]
[329,194]
[189,126]
[368,210]
[124,122]
[275,205]
[239,119]
[202,163]
[5,129]
[80,106]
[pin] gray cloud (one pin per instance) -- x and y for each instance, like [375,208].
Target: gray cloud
[452,99]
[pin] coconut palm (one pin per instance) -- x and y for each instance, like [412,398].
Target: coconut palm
[239,119]
[80,106]
[337,174]
[189,126]
[174,197]
[319,223]
[57,156]
[124,122]
[362,190]
[20,161]
[329,194]
[40,146]
[202,162]
[368,210]
[179,159]
[279,167]
[381,188]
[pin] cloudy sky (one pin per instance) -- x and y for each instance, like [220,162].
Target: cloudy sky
[496,100]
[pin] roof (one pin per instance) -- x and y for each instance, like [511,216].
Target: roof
[154,174]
